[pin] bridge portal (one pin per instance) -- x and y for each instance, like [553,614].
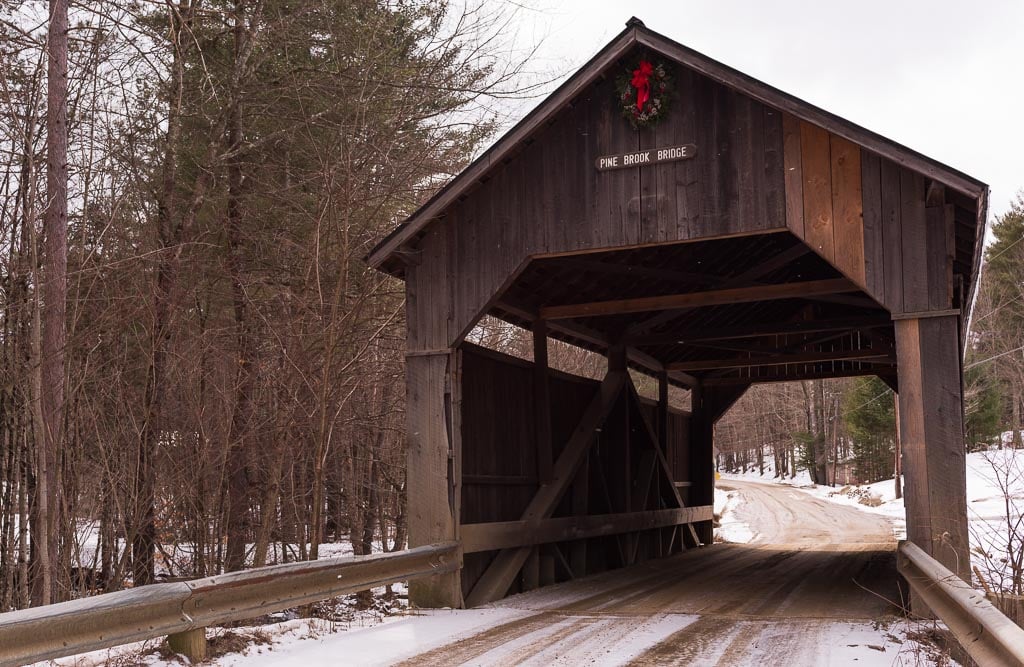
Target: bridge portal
[745,237]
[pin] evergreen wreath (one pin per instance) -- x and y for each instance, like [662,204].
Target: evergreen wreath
[644,93]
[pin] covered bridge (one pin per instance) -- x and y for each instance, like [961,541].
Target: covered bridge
[746,237]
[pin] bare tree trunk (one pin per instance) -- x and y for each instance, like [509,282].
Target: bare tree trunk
[54,293]
[238,446]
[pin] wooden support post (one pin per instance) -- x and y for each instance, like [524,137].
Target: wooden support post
[547,565]
[932,438]
[542,400]
[663,413]
[626,478]
[580,507]
[432,403]
[190,643]
[531,570]
[702,468]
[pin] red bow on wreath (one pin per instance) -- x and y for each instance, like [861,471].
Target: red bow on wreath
[641,81]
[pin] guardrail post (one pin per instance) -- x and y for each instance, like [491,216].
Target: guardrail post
[190,643]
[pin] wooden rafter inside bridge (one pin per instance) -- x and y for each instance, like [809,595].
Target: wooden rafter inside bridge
[791,244]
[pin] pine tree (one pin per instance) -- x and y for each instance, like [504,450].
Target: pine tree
[869,413]
[998,322]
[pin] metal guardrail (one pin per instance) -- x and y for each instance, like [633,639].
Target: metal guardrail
[147,612]
[988,636]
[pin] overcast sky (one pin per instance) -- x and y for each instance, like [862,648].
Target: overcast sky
[943,77]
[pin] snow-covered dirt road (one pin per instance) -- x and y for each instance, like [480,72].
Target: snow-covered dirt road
[812,589]
[780,514]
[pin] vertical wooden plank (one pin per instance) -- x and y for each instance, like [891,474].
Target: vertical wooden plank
[430,490]
[816,165]
[662,420]
[915,246]
[530,574]
[547,565]
[748,164]
[938,222]
[580,507]
[848,209]
[713,161]
[678,183]
[701,459]
[792,161]
[874,246]
[944,435]
[932,438]
[542,400]
[892,236]
[730,150]
[650,231]
[773,198]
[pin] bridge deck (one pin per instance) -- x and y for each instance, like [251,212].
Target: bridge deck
[727,604]
[814,588]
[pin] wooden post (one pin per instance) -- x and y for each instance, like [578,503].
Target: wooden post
[932,438]
[580,507]
[190,643]
[531,570]
[898,454]
[663,412]
[542,415]
[702,466]
[433,458]
[542,400]
[663,445]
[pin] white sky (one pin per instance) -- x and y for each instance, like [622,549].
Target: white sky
[943,77]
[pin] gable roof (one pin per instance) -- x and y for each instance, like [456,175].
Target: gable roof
[637,34]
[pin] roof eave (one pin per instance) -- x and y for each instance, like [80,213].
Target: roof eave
[494,155]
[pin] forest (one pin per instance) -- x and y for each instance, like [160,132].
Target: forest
[198,372]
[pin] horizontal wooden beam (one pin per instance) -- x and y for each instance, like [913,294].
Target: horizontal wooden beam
[511,534]
[582,263]
[797,290]
[924,314]
[817,374]
[783,359]
[500,480]
[597,339]
[759,329]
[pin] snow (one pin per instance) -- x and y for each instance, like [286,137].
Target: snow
[386,643]
[995,501]
[730,528]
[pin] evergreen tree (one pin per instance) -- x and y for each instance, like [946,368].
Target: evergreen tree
[998,322]
[984,405]
[869,413]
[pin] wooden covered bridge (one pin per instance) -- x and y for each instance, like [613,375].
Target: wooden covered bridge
[746,237]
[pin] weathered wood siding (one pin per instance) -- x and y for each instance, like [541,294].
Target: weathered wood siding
[499,461]
[550,198]
[870,218]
